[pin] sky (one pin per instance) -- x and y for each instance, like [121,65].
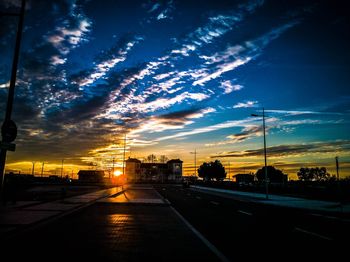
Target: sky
[173,77]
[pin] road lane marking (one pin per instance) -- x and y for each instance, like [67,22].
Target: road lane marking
[331,217]
[312,233]
[214,203]
[216,251]
[244,212]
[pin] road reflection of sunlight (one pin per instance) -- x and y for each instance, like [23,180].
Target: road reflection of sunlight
[120,219]
[120,231]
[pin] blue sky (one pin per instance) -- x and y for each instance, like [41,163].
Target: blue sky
[175,76]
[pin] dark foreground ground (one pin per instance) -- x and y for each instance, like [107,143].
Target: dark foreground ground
[140,226]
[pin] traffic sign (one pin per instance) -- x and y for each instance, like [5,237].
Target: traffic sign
[9,131]
[7,146]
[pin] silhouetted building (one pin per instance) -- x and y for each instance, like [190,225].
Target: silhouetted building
[138,171]
[133,169]
[91,175]
[244,179]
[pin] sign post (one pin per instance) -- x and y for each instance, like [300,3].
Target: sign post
[9,128]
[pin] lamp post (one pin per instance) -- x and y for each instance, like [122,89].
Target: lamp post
[195,161]
[9,129]
[266,179]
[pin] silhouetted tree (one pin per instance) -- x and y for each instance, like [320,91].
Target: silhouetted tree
[273,174]
[163,159]
[151,158]
[211,170]
[313,174]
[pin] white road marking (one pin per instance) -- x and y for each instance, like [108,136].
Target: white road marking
[244,212]
[214,203]
[312,233]
[331,217]
[201,237]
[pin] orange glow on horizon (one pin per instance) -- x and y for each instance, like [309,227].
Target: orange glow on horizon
[117,173]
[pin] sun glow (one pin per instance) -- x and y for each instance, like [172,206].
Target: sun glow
[117,173]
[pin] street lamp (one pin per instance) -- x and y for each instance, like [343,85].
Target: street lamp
[195,161]
[266,179]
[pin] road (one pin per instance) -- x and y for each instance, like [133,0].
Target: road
[235,225]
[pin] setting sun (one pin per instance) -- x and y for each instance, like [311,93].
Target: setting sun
[117,173]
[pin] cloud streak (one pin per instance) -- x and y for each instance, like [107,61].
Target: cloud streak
[246,104]
[293,149]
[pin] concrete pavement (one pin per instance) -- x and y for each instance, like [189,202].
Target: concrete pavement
[284,201]
[24,214]
[114,225]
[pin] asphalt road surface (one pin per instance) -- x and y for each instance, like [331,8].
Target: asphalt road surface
[235,225]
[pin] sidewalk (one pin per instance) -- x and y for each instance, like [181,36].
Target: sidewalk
[294,202]
[135,224]
[15,217]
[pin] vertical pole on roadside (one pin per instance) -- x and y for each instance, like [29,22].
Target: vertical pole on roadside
[266,177]
[11,92]
[42,169]
[338,183]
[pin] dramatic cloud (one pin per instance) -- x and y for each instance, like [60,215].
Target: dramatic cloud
[69,35]
[293,149]
[207,129]
[106,62]
[163,70]
[247,132]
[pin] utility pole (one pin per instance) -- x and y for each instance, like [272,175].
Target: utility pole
[42,169]
[62,168]
[266,178]
[337,167]
[228,171]
[339,186]
[124,154]
[195,161]
[112,169]
[33,162]
[9,129]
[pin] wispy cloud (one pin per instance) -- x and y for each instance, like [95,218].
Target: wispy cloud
[5,85]
[293,149]
[300,112]
[216,27]
[238,55]
[251,127]
[246,104]
[229,87]
[246,133]
[109,59]
[154,7]
[171,121]
[227,124]
[161,10]
[222,68]
[70,34]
